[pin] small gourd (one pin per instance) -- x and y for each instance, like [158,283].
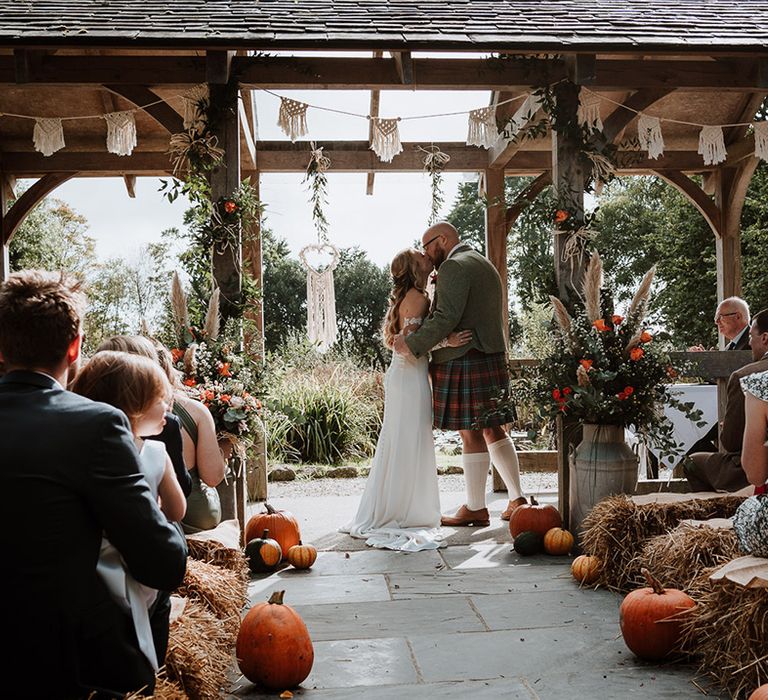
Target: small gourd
[558,541]
[264,554]
[586,569]
[528,543]
[282,524]
[760,693]
[302,556]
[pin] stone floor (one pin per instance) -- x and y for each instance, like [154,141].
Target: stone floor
[471,619]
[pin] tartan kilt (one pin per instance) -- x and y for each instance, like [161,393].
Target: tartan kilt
[463,389]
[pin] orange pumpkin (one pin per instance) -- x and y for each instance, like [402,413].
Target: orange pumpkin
[760,693]
[586,569]
[650,619]
[534,517]
[558,541]
[274,649]
[283,526]
[302,556]
[264,553]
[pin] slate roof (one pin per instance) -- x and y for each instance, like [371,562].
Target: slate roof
[526,25]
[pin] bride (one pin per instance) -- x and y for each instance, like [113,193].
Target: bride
[400,508]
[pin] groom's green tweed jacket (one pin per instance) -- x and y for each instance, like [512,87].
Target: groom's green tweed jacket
[468,296]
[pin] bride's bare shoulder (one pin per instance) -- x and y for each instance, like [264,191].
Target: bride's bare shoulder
[415,302]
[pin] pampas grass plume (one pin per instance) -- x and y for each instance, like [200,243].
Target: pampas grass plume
[640,301]
[211,327]
[593,280]
[179,305]
[561,314]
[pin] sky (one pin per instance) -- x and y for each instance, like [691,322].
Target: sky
[382,224]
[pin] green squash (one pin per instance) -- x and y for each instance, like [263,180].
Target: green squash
[528,543]
[264,554]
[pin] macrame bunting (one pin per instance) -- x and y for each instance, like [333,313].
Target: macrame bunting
[386,138]
[48,136]
[322,329]
[649,134]
[482,127]
[712,145]
[761,140]
[121,133]
[292,118]
[589,110]
[194,107]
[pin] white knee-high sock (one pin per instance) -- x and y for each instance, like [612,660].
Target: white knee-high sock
[476,465]
[504,457]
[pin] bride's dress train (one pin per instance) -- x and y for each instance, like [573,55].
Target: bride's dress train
[400,508]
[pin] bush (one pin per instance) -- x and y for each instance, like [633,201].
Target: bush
[320,408]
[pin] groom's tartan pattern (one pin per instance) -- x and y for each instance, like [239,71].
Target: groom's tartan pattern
[462,390]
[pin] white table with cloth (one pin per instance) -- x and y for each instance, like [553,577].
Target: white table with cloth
[685,432]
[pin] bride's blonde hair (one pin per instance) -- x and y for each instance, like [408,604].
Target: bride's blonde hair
[405,276]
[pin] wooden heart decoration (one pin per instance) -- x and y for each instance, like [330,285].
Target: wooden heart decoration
[315,256]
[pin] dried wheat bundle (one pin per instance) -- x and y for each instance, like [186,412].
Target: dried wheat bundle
[616,529]
[562,316]
[639,303]
[727,630]
[215,553]
[221,590]
[199,653]
[678,557]
[593,281]
[211,326]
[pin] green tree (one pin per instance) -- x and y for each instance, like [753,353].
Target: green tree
[285,291]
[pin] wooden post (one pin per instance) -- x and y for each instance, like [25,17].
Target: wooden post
[496,234]
[227,258]
[256,469]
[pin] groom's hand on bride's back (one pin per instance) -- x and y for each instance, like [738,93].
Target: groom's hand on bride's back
[400,346]
[459,338]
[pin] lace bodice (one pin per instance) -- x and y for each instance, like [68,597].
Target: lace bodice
[415,321]
[756,384]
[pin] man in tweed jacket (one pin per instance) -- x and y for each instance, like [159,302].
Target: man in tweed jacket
[468,296]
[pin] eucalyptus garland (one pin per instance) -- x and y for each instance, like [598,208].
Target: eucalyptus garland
[318,190]
[434,165]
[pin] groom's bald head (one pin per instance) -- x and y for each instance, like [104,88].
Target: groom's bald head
[438,241]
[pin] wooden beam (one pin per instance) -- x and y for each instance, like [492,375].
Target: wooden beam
[21,65]
[526,197]
[373,111]
[247,140]
[496,235]
[582,68]
[706,205]
[130,185]
[501,152]
[5,262]
[15,216]
[95,164]
[218,67]
[162,112]
[404,65]
[618,120]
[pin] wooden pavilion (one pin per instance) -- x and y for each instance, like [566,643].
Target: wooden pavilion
[692,61]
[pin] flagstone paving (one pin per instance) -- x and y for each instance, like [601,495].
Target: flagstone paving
[473,619]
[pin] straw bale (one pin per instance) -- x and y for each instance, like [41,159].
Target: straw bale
[678,557]
[727,631]
[216,553]
[164,690]
[221,590]
[199,653]
[616,529]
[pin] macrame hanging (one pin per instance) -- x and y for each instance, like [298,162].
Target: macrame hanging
[322,329]
[482,127]
[761,140]
[48,136]
[292,118]
[712,145]
[589,110]
[649,134]
[195,101]
[386,138]
[121,133]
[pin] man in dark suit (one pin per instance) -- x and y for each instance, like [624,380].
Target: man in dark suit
[721,471]
[70,473]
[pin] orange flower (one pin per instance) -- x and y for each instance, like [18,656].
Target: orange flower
[629,390]
[258,405]
[600,325]
[567,390]
[617,319]
[586,364]
[556,395]
[230,207]
[561,215]
[621,396]
[671,372]
[209,395]
[225,398]
[636,353]
[224,369]
[189,382]
[645,337]
[177,354]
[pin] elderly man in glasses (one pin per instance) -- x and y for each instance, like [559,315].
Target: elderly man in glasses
[732,321]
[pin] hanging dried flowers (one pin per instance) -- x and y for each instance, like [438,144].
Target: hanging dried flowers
[318,188]
[434,164]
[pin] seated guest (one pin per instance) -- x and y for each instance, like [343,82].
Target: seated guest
[170,435]
[751,520]
[71,474]
[732,321]
[722,470]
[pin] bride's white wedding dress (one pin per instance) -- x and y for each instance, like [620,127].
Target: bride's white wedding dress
[400,508]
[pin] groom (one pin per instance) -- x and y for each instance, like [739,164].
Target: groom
[468,295]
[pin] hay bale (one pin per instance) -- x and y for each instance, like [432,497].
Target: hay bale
[616,529]
[164,690]
[218,554]
[221,590]
[678,557]
[199,653]
[726,630]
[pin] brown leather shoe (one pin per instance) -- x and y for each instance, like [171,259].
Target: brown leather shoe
[465,518]
[512,507]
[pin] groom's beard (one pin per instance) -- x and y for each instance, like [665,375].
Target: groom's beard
[439,258]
